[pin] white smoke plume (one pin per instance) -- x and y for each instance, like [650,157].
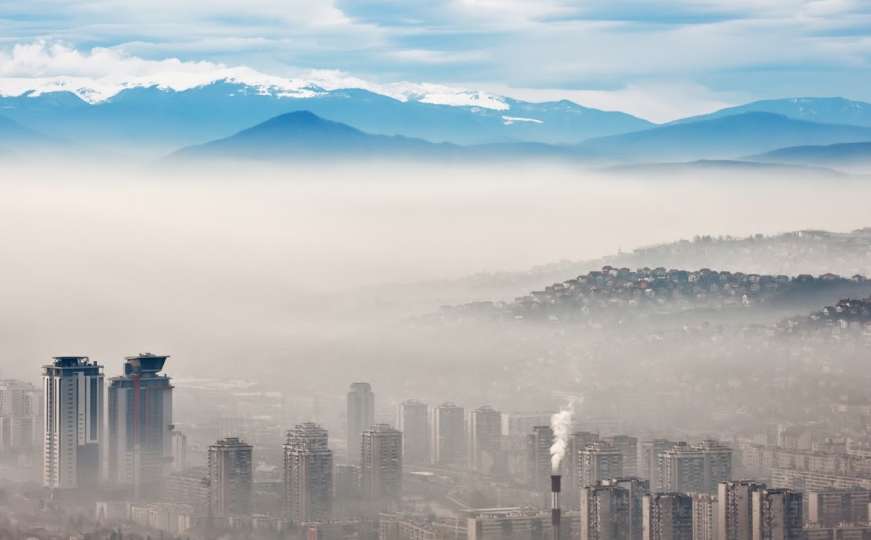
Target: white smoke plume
[561,424]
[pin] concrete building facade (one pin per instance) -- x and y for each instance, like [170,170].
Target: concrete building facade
[73,428]
[139,435]
[230,477]
[360,415]
[308,474]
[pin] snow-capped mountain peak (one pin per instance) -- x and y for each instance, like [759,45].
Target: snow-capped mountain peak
[98,89]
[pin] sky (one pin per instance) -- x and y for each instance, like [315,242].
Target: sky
[655,58]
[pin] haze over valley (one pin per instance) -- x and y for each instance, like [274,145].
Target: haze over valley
[444,270]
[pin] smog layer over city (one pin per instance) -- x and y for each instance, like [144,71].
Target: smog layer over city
[494,270]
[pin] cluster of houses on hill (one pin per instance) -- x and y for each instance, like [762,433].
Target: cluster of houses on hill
[849,313]
[614,289]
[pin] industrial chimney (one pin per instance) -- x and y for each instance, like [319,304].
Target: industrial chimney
[555,488]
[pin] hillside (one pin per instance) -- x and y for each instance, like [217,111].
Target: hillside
[723,138]
[829,110]
[791,253]
[304,136]
[622,294]
[843,155]
[13,134]
[848,314]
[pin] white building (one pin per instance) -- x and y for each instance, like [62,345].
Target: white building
[73,387]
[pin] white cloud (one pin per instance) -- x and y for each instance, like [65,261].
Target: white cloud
[429,56]
[304,13]
[100,73]
[524,43]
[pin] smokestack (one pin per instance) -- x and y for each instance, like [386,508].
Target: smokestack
[555,488]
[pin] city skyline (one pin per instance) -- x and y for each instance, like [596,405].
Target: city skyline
[435,270]
[698,498]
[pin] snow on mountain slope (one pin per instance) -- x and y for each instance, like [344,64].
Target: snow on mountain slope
[98,89]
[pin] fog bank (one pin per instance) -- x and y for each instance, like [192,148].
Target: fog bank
[274,266]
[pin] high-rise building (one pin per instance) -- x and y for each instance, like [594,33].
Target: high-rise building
[20,417]
[667,516]
[346,481]
[831,508]
[73,390]
[230,477]
[381,467]
[599,461]
[361,415]
[695,468]
[520,424]
[571,473]
[179,451]
[718,463]
[604,513]
[582,439]
[449,435]
[637,489]
[735,509]
[485,437]
[308,474]
[704,516]
[777,514]
[413,422]
[140,425]
[628,448]
[649,459]
[346,491]
[538,464]
[190,486]
[346,487]
[505,524]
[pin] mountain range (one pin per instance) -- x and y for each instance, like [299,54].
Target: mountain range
[832,110]
[726,137]
[156,120]
[845,155]
[14,136]
[792,253]
[304,136]
[150,121]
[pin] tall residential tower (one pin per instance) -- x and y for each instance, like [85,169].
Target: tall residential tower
[485,436]
[381,467]
[449,435]
[230,477]
[361,415]
[73,410]
[308,474]
[413,422]
[140,426]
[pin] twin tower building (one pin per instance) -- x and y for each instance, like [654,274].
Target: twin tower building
[136,448]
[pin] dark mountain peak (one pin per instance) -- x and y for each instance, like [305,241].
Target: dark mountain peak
[298,118]
[302,123]
[302,134]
